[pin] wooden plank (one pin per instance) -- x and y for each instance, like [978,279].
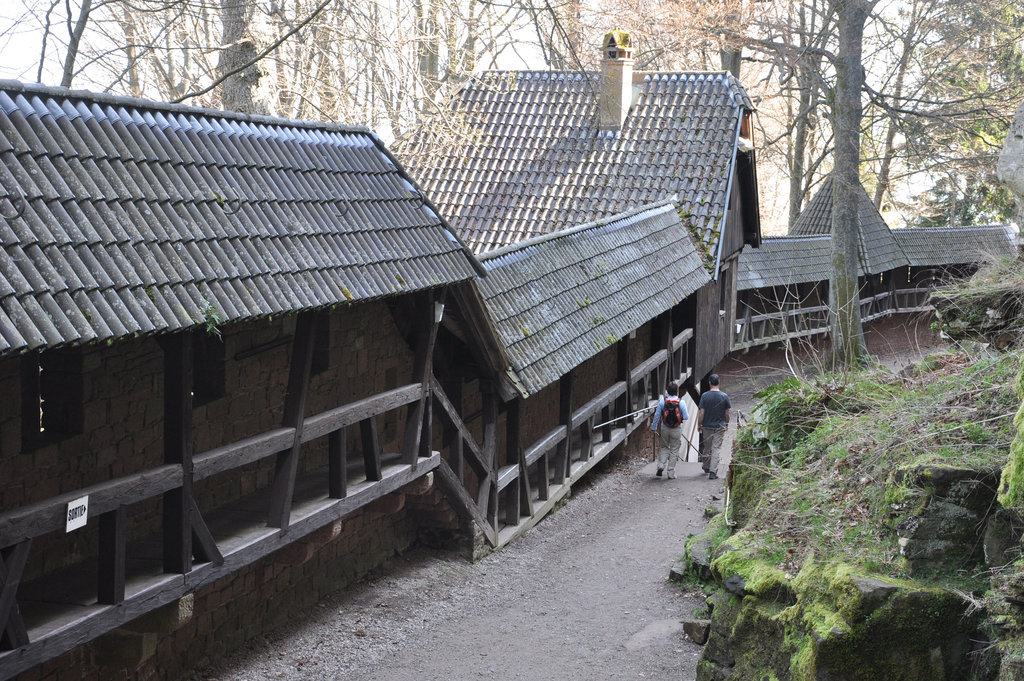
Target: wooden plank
[350,414]
[241,453]
[337,470]
[37,519]
[178,389]
[283,487]
[490,452]
[371,448]
[167,589]
[12,565]
[113,535]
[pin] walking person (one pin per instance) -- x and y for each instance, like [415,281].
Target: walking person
[712,421]
[669,417]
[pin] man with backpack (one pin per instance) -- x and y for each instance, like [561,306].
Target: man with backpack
[669,417]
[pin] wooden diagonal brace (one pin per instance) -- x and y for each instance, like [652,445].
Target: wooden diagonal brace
[12,564]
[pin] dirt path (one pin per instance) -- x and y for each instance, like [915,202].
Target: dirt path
[583,596]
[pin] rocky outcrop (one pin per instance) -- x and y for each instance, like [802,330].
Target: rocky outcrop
[942,532]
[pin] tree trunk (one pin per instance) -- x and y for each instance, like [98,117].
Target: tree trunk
[847,111]
[239,52]
[74,40]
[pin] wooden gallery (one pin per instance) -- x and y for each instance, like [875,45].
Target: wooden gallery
[244,360]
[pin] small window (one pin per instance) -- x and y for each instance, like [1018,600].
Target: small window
[208,369]
[321,345]
[51,396]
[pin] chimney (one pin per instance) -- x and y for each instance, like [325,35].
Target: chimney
[616,80]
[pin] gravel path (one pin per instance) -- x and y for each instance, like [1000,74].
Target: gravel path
[584,595]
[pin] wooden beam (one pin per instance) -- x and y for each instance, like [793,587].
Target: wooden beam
[490,447]
[624,405]
[46,516]
[283,487]
[426,338]
[112,554]
[462,502]
[371,448]
[177,509]
[350,414]
[203,544]
[12,564]
[337,470]
[514,457]
[476,460]
[565,386]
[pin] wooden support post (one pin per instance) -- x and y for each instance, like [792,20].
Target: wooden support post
[452,437]
[337,475]
[564,449]
[12,627]
[623,405]
[371,448]
[520,496]
[606,429]
[490,445]
[113,540]
[177,508]
[283,488]
[426,337]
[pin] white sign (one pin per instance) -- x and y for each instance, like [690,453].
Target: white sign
[78,513]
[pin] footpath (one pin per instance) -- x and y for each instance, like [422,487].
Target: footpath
[584,595]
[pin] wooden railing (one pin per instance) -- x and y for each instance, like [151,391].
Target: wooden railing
[220,543]
[803,322]
[509,499]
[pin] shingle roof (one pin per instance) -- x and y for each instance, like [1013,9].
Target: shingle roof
[879,251]
[788,260]
[560,299]
[781,261]
[955,245]
[535,161]
[136,214]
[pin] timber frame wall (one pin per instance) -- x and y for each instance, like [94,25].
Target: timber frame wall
[282,453]
[507,465]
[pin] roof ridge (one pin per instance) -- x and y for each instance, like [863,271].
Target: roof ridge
[16,86]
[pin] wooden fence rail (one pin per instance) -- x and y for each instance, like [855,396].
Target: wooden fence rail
[754,330]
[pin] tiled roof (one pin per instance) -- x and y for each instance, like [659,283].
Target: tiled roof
[781,261]
[955,245]
[879,251]
[136,214]
[535,161]
[560,299]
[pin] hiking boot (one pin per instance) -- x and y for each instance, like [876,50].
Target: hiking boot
[671,476]
[712,476]
[658,473]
